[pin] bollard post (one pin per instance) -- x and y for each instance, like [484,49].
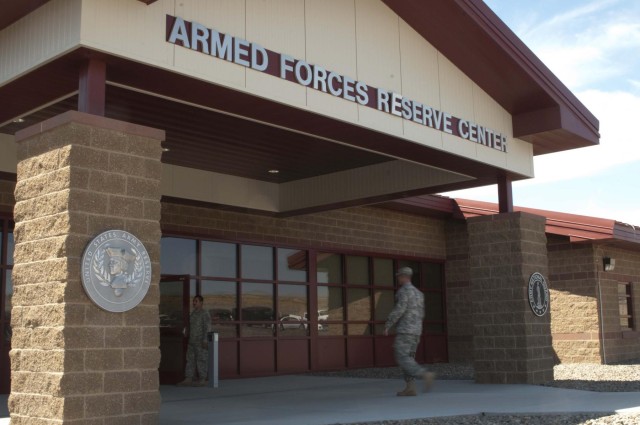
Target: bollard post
[212,339]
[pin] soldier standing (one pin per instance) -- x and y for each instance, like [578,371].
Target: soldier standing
[199,324]
[407,316]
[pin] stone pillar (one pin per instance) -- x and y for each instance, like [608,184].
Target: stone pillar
[511,344]
[71,362]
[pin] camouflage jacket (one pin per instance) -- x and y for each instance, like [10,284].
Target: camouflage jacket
[199,325]
[408,312]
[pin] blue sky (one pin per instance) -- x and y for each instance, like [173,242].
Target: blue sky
[593,46]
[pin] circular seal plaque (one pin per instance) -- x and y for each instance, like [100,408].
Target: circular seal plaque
[538,294]
[116,271]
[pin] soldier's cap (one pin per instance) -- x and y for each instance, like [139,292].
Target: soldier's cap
[407,271]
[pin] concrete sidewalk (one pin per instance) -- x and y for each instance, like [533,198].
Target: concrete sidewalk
[306,400]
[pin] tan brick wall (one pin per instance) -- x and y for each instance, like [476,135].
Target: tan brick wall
[619,345]
[574,301]
[459,315]
[511,344]
[72,362]
[359,229]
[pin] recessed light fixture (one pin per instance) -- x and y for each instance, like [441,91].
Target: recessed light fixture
[274,171]
[165,149]
[18,120]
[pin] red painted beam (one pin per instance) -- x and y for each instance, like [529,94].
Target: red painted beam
[505,194]
[92,87]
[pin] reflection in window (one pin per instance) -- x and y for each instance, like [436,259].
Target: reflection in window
[257,302]
[359,305]
[257,262]
[7,306]
[171,305]
[357,270]
[433,275]
[625,303]
[359,329]
[329,268]
[178,256]
[383,274]
[330,303]
[384,301]
[221,299]
[10,247]
[433,307]
[218,259]
[292,265]
[292,301]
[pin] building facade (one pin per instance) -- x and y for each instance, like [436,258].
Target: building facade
[278,157]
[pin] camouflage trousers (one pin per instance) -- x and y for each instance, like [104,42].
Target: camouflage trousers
[404,350]
[197,358]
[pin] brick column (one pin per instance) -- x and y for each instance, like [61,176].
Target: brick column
[71,362]
[511,344]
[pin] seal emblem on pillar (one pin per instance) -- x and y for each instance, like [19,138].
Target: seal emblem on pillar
[538,294]
[116,271]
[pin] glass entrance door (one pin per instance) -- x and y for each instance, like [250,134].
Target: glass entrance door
[174,318]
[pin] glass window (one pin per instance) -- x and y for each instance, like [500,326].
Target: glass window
[178,256]
[8,296]
[359,329]
[221,299]
[383,274]
[434,328]
[171,306]
[357,270]
[433,307]
[329,268]
[10,247]
[625,306]
[218,259]
[257,302]
[359,304]
[292,265]
[384,301]
[330,303]
[433,275]
[292,301]
[257,262]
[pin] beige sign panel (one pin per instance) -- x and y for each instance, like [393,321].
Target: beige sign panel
[360,40]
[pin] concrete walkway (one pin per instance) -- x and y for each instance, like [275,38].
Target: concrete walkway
[305,400]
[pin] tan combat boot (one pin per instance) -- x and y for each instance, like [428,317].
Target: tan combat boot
[409,390]
[186,383]
[428,378]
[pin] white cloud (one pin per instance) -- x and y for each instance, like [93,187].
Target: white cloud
[618,113]
[584,45]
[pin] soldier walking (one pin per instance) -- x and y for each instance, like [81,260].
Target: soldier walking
[199,324]
[407,316]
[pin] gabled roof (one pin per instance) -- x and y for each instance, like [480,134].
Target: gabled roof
[545,112]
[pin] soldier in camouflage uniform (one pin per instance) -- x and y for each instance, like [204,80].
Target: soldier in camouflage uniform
[407,316]
[199,324]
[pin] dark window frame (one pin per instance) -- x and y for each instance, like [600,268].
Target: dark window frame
[628,297]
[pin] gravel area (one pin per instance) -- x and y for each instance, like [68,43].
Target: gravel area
[587,419]
[623,377]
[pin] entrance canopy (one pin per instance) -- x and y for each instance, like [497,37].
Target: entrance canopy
[325,104]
